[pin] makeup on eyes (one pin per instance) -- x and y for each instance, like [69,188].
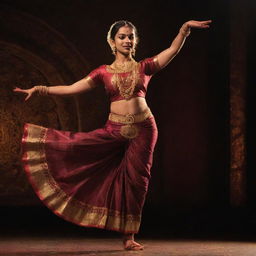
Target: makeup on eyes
[123,36]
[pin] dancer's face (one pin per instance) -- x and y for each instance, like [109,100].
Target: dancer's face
[125,40]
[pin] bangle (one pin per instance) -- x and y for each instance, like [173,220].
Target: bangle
[185,31]
[42,90]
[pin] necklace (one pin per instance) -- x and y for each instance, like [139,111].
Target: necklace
[125,83]
[127,66]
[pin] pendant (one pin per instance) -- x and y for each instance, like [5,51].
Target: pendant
[129,131]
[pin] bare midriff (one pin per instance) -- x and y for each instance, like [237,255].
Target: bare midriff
[132,106]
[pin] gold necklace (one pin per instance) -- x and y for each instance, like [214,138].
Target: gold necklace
[127,66]
[126,84]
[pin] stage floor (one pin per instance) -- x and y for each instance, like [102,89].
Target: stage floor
[29,246]
[38,232]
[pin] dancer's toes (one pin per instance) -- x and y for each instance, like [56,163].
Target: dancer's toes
[131,245]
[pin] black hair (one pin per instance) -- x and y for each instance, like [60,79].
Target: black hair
[118,24]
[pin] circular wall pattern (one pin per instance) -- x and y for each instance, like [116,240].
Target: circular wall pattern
[31,52]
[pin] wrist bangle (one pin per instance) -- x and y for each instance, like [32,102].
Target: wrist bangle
[42,90]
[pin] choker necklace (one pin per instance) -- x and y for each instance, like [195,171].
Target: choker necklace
[126,66]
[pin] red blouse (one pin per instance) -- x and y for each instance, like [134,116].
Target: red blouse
[102,75]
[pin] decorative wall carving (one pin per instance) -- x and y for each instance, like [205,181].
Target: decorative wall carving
[31,53]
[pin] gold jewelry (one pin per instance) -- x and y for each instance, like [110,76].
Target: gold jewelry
[42,90]
[129,118]
[133,52]
[125,83]
[113,50]
[129,130]
[127,66]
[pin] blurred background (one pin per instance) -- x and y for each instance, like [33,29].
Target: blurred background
[203,177]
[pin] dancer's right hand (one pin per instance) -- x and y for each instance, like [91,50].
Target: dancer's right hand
[29,92]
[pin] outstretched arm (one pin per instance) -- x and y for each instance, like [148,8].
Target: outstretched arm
[81,86]
[167,55]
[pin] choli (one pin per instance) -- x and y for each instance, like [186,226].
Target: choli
[121,85]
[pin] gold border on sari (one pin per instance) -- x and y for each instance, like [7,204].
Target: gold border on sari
[57,200]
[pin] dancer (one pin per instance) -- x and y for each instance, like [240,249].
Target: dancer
[100,178]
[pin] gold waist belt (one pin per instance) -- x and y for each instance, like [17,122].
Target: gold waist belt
[130,119]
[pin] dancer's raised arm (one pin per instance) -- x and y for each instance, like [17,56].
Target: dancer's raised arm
[167,55]
[80,86]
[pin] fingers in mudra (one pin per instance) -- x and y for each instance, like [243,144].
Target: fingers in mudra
[17,89]
[199,24]
[27,97]
[205,24]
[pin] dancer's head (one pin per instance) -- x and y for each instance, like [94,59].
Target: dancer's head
[123,37]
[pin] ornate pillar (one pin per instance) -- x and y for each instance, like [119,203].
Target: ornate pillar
[238,59]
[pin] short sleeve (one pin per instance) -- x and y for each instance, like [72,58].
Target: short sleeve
[150,65]
[94,78]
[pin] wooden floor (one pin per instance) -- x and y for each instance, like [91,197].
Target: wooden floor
[29,246]
[38,232]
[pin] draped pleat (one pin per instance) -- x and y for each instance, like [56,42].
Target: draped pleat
[95,179]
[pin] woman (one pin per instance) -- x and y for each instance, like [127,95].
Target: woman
[100,178]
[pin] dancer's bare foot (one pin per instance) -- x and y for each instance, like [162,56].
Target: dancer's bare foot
[130,244]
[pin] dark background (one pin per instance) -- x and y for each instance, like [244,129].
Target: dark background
[190,186]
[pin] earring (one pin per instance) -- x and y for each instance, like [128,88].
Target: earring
[133,52]
[113,50]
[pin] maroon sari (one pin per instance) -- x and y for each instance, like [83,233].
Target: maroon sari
[95,179]
[99,178]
